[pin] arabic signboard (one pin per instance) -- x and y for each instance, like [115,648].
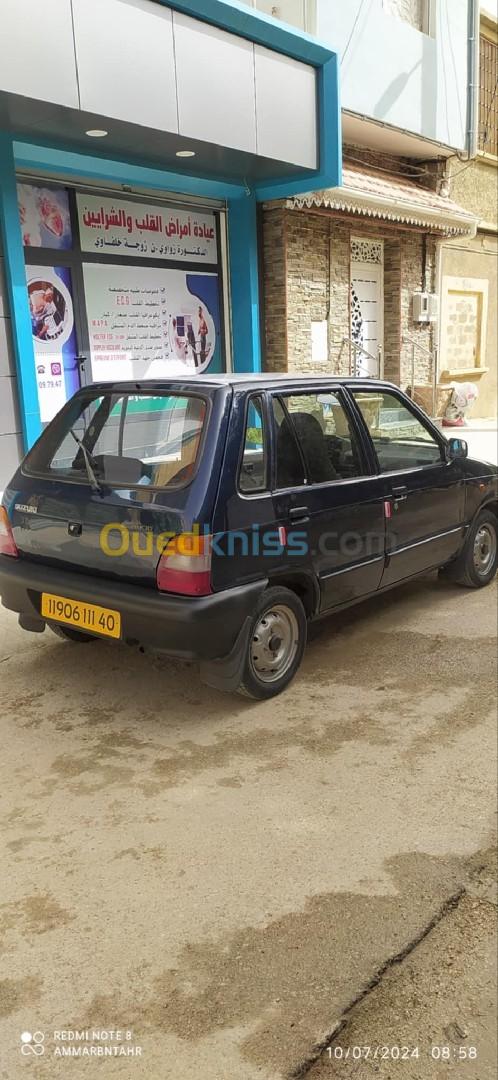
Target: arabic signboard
[54,340]
[148,322]
[142,231]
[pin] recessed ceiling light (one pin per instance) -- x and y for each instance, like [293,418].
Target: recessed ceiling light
[96,133]
[185,153]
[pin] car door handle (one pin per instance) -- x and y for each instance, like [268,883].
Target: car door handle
[299,513]
[400,493]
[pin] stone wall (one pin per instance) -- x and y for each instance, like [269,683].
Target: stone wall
[307,286]
[392,307]
[412,245]
[275,292]
[308,280]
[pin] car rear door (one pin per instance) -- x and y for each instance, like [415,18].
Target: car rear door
[325,491]
[426,491]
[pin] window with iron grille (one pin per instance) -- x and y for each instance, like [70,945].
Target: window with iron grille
[488,96]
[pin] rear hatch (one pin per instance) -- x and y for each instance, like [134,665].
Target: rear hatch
[118,473]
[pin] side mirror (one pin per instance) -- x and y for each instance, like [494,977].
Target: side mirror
[457,449]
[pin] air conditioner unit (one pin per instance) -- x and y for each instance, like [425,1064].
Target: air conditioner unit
[425,307]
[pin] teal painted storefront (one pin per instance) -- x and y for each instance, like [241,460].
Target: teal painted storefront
[47,159]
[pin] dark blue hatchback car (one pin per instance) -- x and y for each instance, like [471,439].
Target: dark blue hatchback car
[213,518]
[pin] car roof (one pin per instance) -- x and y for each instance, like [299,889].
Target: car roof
[242,380]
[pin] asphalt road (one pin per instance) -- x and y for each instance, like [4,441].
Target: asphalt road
[220,879]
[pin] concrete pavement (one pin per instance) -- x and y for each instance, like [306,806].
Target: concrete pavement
[222,878]
[434,1013]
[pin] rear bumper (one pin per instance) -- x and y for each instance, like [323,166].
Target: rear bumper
[193,628]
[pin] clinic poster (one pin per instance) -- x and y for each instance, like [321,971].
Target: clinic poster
[147,322]
[44,216]
[54,338]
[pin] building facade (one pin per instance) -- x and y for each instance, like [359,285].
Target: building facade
[469,286]
[133,155]
[340,296]
[352,276]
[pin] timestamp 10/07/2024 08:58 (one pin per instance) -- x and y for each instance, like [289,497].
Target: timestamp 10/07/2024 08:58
[401,1053]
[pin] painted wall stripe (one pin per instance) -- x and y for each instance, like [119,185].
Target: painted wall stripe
[15,279]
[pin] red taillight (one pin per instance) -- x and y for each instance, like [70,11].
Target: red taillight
[7,542]
[185,566]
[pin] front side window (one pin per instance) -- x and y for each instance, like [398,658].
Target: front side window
[326,442]
[253,470]
[400,439]
[119,439]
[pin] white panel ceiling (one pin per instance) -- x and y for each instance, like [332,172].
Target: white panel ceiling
[215,80]
[37,52]
[286,108]
[126,63]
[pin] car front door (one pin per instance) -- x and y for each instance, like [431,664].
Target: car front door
[426,490]
[325,490]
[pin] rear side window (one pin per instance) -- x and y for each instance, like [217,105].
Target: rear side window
[129,440]
[254,468]
[316,429]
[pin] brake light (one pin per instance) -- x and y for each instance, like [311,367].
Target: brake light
[185,566]
[7,542]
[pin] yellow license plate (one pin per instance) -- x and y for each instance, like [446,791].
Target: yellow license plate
[80,615]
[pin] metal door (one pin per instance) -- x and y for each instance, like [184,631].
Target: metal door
[367,306]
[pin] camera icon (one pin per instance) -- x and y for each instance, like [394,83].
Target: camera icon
[32,1043]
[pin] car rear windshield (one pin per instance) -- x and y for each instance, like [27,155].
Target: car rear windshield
[123,440]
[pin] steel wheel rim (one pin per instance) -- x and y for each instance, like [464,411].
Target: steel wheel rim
[484,549]
[274,644]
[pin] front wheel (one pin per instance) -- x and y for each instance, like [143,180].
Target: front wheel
[476,564]
[276,644]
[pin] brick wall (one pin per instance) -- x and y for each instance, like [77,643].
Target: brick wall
[307,278]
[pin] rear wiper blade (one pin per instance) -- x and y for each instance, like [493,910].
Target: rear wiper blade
[87,458]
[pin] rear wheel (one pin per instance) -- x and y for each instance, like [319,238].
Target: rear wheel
[476,564]
[276,644]
[69,634]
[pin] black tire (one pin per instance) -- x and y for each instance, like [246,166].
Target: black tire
[476,564]
[277,641]
[69,634]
